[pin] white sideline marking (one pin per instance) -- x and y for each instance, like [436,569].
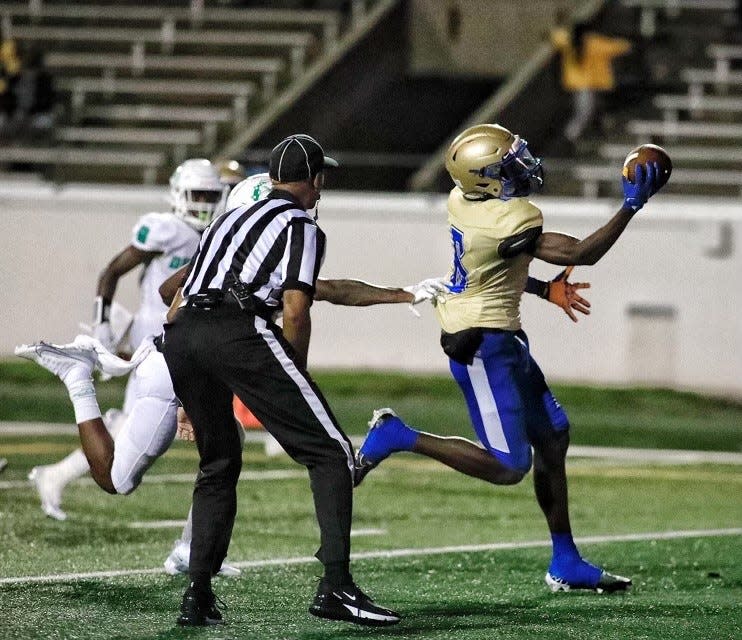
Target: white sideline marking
[669,456]
[168,524]
[354,533]
[392,553]
[158,524]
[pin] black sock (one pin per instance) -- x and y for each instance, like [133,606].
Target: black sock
[338,573]
[201,583]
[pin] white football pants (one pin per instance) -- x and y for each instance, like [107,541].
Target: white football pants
[150,425]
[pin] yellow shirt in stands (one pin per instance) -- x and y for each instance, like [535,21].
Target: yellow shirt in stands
[486,289]
[594,70]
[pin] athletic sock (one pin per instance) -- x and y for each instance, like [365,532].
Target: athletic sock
[407,437]
[69,468]
[563,546]
[566,562]
[337,574]
[201,584]
[84,400]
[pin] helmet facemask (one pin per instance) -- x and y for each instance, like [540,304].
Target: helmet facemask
[197,194]
[519,172]
[198,207]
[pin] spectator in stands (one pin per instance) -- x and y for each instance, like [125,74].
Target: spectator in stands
[10,65]
[587,70]
[34,97]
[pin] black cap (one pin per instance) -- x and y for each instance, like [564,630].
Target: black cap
[297,158]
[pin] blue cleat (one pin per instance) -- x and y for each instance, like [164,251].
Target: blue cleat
[387,434]
[583,575]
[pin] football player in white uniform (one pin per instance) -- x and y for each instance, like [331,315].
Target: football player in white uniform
[161,243]
[496,232]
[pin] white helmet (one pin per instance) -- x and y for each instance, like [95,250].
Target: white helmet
[197,193]
[249,191]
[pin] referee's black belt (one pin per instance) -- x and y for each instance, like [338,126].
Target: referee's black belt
[234,297]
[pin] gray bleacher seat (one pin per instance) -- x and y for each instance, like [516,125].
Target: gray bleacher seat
[593,176]
[146,161]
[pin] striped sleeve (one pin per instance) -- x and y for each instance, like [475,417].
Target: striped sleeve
[305,250]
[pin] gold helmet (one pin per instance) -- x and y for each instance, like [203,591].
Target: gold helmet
[487,160]
[231,172]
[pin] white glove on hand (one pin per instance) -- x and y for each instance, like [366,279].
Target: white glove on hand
[426,291]
[103,333]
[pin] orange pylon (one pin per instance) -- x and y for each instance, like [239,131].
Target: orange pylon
[244,416]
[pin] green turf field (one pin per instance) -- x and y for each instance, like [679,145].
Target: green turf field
[418,526]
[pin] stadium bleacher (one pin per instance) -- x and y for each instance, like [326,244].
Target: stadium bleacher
[125,74]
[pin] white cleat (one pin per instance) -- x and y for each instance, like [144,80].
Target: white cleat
[49,491]
[607,583]
[228,571]
[380,414]
[3,464]
[177,562]
[59,359]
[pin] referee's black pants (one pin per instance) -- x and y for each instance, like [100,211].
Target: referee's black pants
[214,353]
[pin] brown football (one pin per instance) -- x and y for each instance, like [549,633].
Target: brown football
[648,153]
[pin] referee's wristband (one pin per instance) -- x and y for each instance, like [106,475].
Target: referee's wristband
[537,287]
[101,310]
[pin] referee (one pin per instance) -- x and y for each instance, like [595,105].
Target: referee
[252,262]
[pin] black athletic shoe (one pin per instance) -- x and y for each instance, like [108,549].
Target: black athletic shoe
[350,604]
[199,609]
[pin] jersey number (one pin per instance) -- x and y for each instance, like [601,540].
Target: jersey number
[459,275]
[177,262]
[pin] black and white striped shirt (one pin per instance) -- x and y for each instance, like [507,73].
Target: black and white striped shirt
[272,245]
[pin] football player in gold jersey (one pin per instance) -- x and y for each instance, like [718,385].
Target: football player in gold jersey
[495,233]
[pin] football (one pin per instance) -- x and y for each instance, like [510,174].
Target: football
[648,153]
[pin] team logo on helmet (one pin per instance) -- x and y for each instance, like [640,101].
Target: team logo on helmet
[249,191]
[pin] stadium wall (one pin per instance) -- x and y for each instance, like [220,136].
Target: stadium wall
[666,299]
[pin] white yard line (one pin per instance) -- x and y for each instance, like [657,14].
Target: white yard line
[392,553]
[357,533]
[668,456]
[179,478]
[158,524]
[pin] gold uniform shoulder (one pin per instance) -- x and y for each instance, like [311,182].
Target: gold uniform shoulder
[500,218]
[521,215]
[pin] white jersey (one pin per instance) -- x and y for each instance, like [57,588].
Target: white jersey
[176,242]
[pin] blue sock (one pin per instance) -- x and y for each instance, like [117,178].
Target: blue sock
[566,562]
[394,435]
[407,437]
[563,546]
